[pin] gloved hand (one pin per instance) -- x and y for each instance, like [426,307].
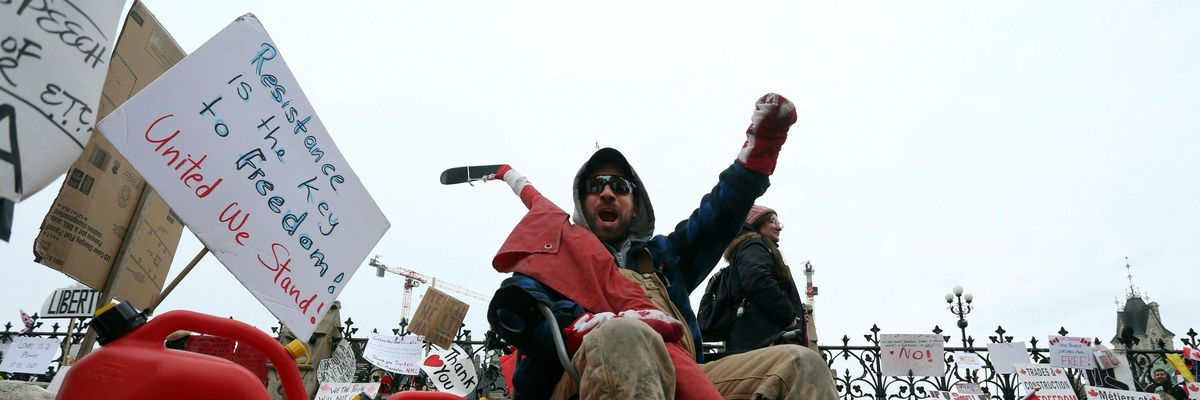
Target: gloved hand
[518,183]
[510,176]
[669,328]
[773,115]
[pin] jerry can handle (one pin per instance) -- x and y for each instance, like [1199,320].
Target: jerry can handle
[289,375]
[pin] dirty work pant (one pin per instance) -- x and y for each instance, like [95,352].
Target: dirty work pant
[625,359]
[778,372]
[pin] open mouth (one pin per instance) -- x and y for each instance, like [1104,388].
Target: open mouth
[607,215]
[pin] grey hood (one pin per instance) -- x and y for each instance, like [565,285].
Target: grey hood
[642,227]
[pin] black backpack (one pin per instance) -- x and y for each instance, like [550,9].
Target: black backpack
[718,307]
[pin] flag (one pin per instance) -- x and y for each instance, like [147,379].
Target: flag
[1032,395]
[28,321]
[1180,367]
[1191,353]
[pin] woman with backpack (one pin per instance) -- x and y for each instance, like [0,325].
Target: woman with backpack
[769,300]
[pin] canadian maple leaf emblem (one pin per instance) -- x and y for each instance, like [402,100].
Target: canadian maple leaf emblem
[1153,397]
[1093,393]
[1058,371]
[1195,387]
[1023,370]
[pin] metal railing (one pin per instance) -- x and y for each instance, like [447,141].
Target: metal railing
[855,368]
[857,374]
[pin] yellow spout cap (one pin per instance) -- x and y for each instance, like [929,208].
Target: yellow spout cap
[297,350]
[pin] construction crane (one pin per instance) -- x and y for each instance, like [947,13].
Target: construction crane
[414,279]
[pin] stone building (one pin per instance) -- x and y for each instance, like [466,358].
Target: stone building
[1144,323]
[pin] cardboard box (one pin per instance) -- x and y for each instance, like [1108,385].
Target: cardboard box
[88,223]
[438,318]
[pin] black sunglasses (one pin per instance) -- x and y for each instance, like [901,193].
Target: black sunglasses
[618,184]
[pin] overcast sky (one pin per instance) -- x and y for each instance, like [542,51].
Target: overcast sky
[1020,149]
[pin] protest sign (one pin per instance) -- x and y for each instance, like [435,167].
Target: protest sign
[915,354]
[398,354]
[1105,357]
[1190,353]
[450,370]
[345,391]
[1005,355]
[1122,371]
[1099,393]
[438,317]
[945,395]
[969,360]
[1193,390]
[52,68]
[30,355]
[97,209]
[1050,382]
[338,368]
[967,388]
[1071,352]
[59,376]
[74,301]
[230,141]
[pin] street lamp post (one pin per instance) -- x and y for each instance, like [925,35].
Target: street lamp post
[960,305]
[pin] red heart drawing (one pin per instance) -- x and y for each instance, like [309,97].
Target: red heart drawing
[892,352]
[434,361]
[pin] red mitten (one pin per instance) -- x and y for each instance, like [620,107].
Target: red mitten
[669,328]
[519,184]
[573,334]
[773,115]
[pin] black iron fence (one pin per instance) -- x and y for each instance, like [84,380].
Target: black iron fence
[855,368]
[68,334]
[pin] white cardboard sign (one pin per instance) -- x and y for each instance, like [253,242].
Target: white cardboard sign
[53,60]
[945,395]
[398,354]
[30,355]
[967,388]
[1193,390]
[969,360]
[76,301]
[450,370]
[1005,355]
[345,391]
[1051,381]
[1071,352]
[229,140]
[59,377]
[1099,393]
[338,368]
[922,354]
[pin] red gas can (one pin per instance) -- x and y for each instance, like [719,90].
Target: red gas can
[134,364]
